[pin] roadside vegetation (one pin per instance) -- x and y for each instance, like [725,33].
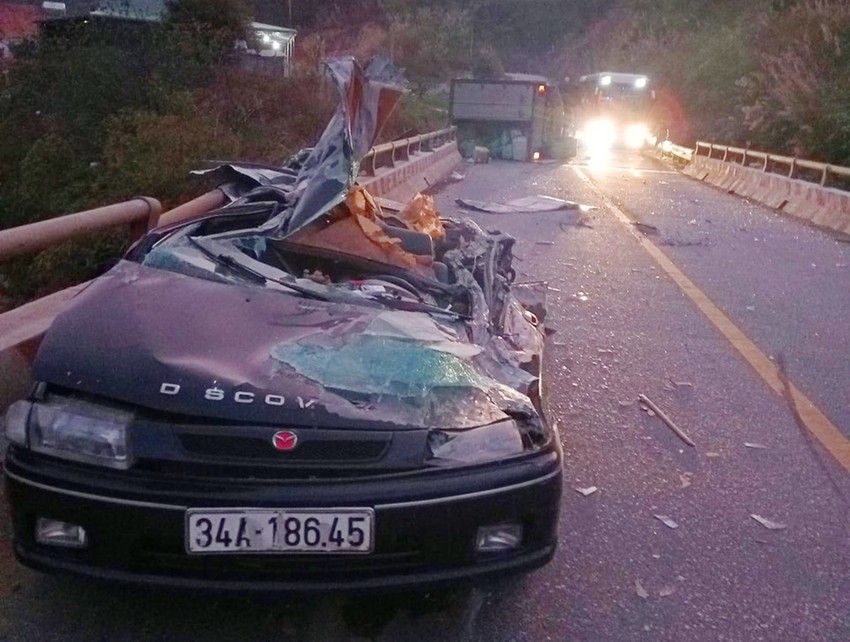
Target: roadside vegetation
[91,116]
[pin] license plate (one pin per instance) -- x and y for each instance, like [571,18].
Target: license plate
[344,530]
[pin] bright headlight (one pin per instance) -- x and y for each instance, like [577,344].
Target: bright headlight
[635,136]
[493,442]
[80,431]
[599,136]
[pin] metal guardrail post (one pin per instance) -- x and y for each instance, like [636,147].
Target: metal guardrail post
[824,175]
[766,161]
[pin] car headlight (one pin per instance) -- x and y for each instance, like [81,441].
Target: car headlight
[493,442]
[80,431]
[636,136]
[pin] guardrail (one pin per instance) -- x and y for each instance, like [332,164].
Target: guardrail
[140,213]
[670,150]
[388,154]
[769,162]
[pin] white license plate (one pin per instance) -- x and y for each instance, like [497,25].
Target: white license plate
[307,530]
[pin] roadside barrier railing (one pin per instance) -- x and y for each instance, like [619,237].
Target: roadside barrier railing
[389,154]
[140,214]
[789,166]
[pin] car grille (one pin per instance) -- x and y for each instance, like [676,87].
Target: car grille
[255,448]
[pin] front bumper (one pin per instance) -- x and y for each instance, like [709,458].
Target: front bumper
[425,525]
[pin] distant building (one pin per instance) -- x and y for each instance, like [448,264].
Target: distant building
[271,47]
[18,23]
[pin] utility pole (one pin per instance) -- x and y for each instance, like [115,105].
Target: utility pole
[290,14]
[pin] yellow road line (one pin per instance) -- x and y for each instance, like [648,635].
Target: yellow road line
[817,423]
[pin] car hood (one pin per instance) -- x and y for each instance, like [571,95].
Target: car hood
[167,342]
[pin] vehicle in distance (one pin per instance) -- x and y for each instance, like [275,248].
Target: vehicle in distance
[517,117]
[299,391]
[611,109]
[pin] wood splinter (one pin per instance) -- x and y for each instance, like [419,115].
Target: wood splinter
[679,432]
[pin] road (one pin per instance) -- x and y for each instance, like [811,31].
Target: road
[646,295]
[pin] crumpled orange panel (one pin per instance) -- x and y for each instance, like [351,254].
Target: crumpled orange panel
[421,215]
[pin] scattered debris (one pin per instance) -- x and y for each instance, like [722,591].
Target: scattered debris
[544,243]
[457,176]
[667,521]
[539,203]
[641,592]
[751,308]
[712,454]
[667,591]
[626,404]
[679,432]
[750,444]
[672,385]
[587,491]
[554,289]
[841,265]
[559,343]
[656,556]
[480,155]
[769,525]
[650,412]
[604,351]
[685,478]
[645,228]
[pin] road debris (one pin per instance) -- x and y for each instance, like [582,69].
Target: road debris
[750,444]
[539,203]
[587,491]
[641,592]
[544,242]
[768,524]
[679,432]
[667,591]
[667,521]
[685,478]
[457,176]
[645,228]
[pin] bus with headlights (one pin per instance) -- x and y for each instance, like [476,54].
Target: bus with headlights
[612,110]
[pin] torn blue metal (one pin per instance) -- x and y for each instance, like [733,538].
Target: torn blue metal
[314,181]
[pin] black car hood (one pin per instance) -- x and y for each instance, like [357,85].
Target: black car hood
[168,342]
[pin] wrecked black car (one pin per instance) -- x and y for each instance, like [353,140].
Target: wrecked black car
[303,390]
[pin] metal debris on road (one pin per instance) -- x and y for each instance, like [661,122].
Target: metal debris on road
[667,521]
[679,432]
[685,478]
[750,444]
[768,524]
[641,592]
[457,176]
[667,591]
[712,454]
[544,243]
[645,228]
[587,491]
[539,203]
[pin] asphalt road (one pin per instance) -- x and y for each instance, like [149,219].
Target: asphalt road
[623,328]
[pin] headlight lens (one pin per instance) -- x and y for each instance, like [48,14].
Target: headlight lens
[80,431]
[17,417]
[636,136]
[599,136]
[493,442]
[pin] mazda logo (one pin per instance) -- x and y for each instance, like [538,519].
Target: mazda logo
[284,440]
